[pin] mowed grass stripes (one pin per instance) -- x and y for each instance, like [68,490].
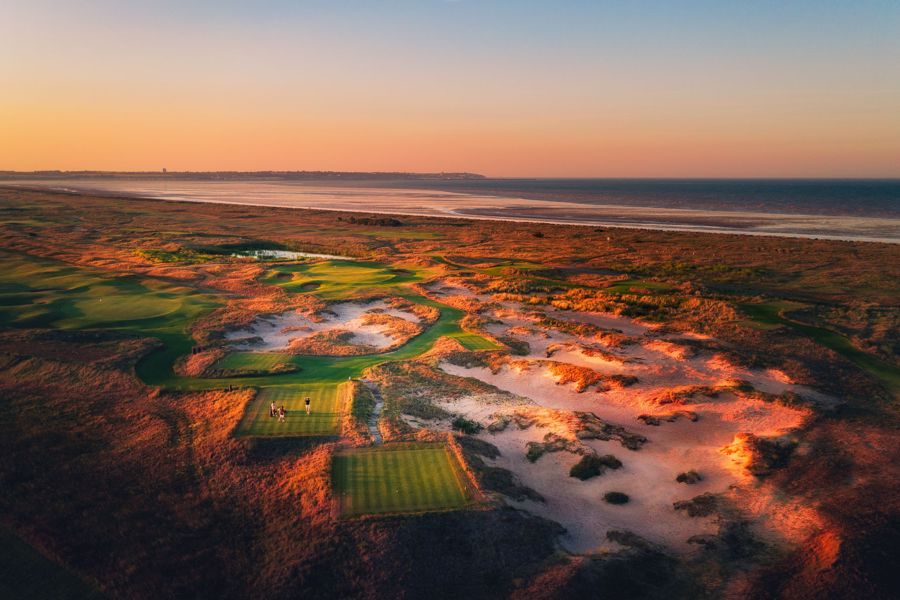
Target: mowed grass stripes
[472,341]
[401,479]
[324,417]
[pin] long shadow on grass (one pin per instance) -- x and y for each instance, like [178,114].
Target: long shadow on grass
[266,450]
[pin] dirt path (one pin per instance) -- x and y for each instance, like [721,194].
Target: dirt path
[376,413]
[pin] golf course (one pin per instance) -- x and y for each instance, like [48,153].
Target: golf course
[378,480]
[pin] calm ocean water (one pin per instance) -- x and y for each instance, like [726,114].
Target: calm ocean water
[835,197]
[866,210]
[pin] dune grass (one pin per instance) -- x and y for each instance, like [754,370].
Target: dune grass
[323,420]
[405,478]
[635,286]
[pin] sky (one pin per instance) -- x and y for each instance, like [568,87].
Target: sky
[506,88]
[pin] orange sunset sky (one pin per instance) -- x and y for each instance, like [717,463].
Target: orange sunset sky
[522,88]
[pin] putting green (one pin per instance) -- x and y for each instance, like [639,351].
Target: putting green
[398,479]
[44,293]
[326,406]
[335,279]
[473,341]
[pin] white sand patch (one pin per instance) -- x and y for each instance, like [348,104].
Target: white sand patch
[648,475]
[273,333]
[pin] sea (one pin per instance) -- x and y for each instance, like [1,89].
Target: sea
[841,209]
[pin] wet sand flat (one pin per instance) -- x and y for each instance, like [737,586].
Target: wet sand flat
[424,202]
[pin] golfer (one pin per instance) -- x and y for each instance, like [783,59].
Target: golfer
[307,405]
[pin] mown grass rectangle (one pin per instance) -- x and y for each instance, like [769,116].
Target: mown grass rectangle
[323,420]
[400,479]
[473,341]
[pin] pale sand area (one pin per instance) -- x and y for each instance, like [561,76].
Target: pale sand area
[648,475]
[274,333]
[425,202]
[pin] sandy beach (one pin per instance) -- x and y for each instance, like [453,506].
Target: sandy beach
[425,202]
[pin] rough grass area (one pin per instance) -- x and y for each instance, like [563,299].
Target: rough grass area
[326,407]
[398,479]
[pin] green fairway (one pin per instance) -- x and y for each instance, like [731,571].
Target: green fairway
[772,314]
[323,420]
[156,369]
[252,361]
[43,293]
[336,279]
[399,479]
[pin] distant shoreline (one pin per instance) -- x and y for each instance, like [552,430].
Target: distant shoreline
[432,202]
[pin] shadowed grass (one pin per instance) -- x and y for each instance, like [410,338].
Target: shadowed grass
[26,573]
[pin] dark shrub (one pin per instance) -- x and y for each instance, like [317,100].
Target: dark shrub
[534,451]
[616,497]
[699,506]
[466,426]
[592,465]
[689,477]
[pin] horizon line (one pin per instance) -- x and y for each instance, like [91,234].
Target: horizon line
[458,175]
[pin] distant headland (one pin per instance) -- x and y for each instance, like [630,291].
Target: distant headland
[241,175]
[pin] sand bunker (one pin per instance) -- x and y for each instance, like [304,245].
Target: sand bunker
[689,405]
[345,328]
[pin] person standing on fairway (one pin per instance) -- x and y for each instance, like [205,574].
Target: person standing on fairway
[307,405]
